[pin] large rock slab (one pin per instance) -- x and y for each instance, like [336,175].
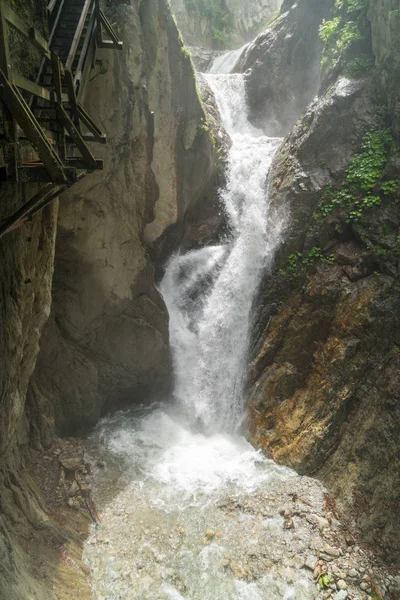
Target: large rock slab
[283,65]
[107,340]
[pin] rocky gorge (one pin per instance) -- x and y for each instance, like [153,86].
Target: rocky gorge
[96,315]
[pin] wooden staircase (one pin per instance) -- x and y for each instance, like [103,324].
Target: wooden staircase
[48,112]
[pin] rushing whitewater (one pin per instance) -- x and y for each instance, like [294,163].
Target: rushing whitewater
[190,510]
[209,292]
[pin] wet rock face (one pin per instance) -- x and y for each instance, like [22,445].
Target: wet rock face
[107,339]
[323,388]
[282,65]
[205,222]
[26,267]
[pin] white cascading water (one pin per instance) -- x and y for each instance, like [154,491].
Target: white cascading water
[209,329]
[226,62]
[192,512]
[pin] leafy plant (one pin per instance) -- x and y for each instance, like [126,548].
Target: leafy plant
[341,35]
[296,262]
[364,187]
[325,580]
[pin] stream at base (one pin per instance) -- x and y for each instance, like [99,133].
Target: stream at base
[188,516]
[190,510]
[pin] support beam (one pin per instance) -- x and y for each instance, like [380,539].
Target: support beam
[46,195]
[26,120]
[108,27]
[87,121]
[76,136]
[15,219]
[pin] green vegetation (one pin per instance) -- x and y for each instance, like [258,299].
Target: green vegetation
[204,126]
[364,187]
[325,580]
[347,38]
[217,14]
[296,262]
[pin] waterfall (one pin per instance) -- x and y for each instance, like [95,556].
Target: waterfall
[193,513]
[226,62]
[209,292]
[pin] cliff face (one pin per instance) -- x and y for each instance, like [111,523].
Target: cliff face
[283,65]
[222,23]
[109,325]
[324,380]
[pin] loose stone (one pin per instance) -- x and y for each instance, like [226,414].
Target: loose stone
[342,585]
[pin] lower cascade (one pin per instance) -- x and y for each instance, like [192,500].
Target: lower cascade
[190,510]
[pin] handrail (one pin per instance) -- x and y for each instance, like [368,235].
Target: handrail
[78,35]
[82,59]
[52,32]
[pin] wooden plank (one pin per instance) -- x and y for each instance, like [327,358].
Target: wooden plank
[108,27]
[26,120]
[30,32]
[76,137]
[78,35]
[33,88]
[87,121]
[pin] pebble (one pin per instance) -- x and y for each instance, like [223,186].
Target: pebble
[310,562]
[341,595]
[353,573]
[321,522]
[210,534]
[364,586]
[342,585]
[331,550]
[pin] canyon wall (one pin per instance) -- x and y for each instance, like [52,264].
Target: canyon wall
[324,379]
[106,340]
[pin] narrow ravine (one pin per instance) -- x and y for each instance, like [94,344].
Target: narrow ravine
[190,510]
